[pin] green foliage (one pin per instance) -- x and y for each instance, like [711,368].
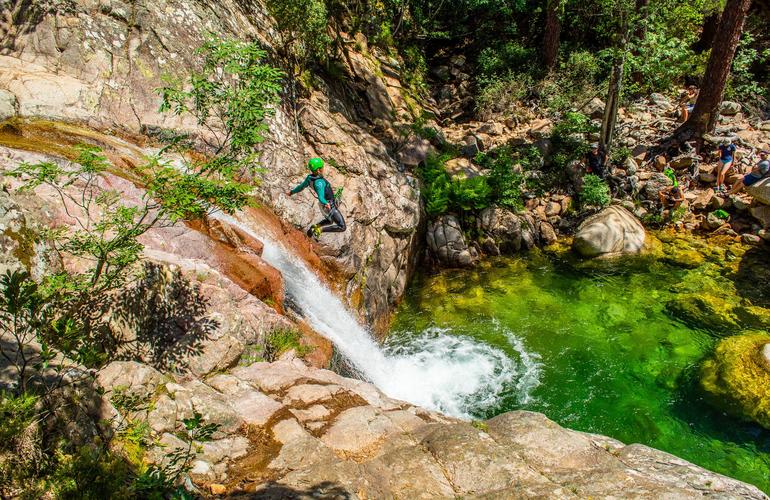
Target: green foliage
[618,155]
[660,64]
[231,97]
[91,472]
[502,95]
[159,481]
[594,192]
[568,139]
[500,60]
[282,340]
[17,412]
[303,27]
[443,194]
[470,194]
[504,180]
[743,84]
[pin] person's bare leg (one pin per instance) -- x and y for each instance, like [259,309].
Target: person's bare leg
[738,187]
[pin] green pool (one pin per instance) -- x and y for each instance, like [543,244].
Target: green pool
[603,355]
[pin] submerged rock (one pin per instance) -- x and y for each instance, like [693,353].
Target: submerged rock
[612,231]
[737,377]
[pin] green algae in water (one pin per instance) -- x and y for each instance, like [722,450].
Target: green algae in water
[611,359]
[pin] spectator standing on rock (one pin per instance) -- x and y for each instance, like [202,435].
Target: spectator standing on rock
[596,161]
[726,159]
[757,173]
[333,221]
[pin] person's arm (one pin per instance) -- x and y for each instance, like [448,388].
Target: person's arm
[320,187]
[300,186]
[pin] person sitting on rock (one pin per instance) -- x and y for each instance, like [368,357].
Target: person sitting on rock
[333,221]
[726,159]
[758,172]
[687,102]
[671,196]
[596,160]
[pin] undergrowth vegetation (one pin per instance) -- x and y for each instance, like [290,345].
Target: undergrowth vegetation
[58,325]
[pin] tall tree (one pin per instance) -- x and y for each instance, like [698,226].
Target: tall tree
[552,33]
[704,117]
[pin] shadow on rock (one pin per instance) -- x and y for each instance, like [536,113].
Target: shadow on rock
[326,490]
[752,281]
[162,320]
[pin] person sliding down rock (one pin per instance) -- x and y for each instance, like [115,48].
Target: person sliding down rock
[333,221]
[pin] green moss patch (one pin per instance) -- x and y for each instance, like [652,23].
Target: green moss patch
[737,378]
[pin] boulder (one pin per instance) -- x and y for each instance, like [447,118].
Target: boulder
[762,214]
[737,379]
[7,105]
[654,184]
[760,191]
[510,232]
[492,128]
[547,233]
[729,108]
[702,200]
[659,100]
[612,231]
[630,166]
[447,243]
[594,108]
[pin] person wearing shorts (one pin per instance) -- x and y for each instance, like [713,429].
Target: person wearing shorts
[726,159]
[758,172]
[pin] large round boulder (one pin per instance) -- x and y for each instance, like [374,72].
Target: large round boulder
[737,376]
[760,191]
[612,231]
[447,242]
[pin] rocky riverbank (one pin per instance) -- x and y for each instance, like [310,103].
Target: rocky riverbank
[193,333]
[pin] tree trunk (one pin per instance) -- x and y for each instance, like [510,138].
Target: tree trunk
[613,100]
[704,117]
[708,32]
[552,34]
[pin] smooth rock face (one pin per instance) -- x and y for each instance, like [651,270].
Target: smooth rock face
[612,231]
[324,429]
[100,67]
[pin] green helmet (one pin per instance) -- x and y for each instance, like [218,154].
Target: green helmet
[315,164]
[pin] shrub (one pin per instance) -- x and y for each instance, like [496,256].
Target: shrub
[504,181]
[502,95]
[303,27]
[282,340]
[442,194]
[595,191]
[504,59]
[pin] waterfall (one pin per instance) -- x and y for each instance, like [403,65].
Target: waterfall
[453,374]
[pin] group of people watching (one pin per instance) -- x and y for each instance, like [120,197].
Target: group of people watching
[671,197]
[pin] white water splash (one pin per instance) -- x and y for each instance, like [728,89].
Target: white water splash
[453,374]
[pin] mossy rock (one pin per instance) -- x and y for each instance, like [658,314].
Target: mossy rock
[687,258]
[706,311]
[737,377]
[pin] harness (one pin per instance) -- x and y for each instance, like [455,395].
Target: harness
[330,194]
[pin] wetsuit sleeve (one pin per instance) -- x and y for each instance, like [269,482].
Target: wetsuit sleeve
[320,187]
[301,186]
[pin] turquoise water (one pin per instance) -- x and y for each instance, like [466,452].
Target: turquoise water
[598,350]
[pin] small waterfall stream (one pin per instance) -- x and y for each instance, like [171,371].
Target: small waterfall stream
[453,374]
